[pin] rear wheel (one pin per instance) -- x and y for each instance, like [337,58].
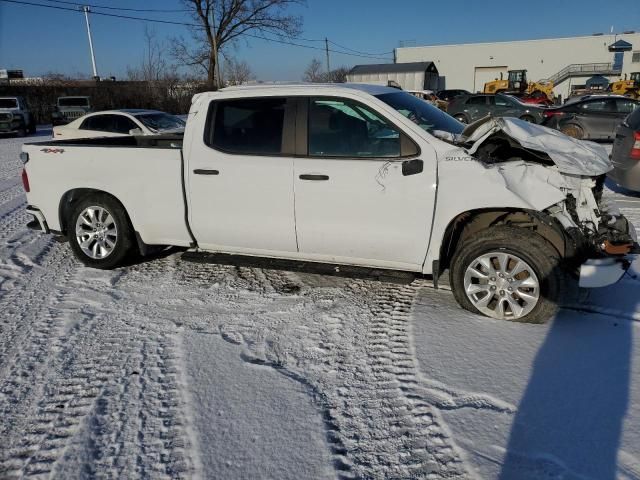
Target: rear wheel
[573,130]
[99,232]
[507,274]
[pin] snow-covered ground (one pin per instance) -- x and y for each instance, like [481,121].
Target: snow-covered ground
[253,369]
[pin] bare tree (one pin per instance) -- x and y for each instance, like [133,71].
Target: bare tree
[316,73]
[237,72]
[154,66]
[233,18]
[339,75]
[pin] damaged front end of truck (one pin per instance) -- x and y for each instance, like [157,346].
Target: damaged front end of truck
[540,164]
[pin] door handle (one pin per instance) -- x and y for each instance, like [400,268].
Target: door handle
[314,177]
[202,171]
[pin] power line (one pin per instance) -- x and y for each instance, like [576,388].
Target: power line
[170,22]
[358,51]
[156,10]
[104,14]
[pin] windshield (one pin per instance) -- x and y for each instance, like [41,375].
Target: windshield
[510,99]
[8,103]
[73,102]
[161,121]
[421,113]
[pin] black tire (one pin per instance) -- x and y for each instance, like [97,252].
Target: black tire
[32,127]
[22,131]
[573,130]
[528,118]
[526,245]
[461,118]
[124,238]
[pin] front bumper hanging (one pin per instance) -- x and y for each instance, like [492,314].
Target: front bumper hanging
[602,272]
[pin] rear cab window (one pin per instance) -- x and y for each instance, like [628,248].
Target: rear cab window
[247,125]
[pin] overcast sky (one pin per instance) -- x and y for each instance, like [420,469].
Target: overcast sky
[40,40]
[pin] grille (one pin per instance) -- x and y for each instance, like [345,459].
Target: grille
[73,115]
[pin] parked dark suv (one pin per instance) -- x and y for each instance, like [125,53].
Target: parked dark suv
[468,109]
[593,117]
[625,156]
[448,95]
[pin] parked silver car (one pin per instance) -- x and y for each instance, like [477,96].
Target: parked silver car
[626,153]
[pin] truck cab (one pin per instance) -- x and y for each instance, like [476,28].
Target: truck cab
[16,117]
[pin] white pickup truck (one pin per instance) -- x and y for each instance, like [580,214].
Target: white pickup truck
[346,174]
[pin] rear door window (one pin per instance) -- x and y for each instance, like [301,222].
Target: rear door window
[626,106]
[122,124]
[599,106]
[477,101]
[501,102]
[250,126]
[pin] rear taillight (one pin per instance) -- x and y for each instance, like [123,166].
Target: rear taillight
[25,180]
[552,113]
[635,150]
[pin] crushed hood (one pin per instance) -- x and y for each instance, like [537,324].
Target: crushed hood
[571,156]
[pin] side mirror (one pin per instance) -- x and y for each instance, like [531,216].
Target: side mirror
[136,131]
[412,167]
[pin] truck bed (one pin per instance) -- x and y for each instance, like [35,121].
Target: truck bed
[143,141]
[144,173]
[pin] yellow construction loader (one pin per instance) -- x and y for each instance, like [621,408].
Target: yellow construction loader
[516,82]
[629,86]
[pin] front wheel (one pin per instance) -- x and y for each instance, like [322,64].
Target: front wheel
[99,232]
[507,274]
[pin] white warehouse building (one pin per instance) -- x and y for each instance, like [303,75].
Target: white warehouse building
[568,62]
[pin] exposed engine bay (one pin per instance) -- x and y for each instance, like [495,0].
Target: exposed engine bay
[574,168]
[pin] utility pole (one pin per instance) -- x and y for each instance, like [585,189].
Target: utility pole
[326,48]
[212,15]
[86,11]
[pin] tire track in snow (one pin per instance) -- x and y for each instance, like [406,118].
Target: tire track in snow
[381,420]
[28,293]
[103,348]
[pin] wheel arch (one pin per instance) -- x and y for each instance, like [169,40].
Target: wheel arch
[71,197]
[471,222]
